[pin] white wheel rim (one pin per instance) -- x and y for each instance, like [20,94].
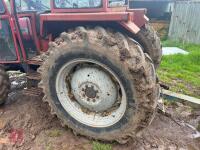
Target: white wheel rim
[75,108]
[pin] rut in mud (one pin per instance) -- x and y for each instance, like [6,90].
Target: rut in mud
[29,118]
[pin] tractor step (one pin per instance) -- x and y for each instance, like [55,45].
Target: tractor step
[33,92]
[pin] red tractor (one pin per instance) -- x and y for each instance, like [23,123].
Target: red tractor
[93,60]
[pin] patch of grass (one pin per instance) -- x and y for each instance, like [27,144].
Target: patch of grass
[185,46]
[100,146]
[54,133]
[182,72]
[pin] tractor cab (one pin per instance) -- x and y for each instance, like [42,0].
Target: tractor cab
[19,21]
[7,40]
[28,19]
[22,34]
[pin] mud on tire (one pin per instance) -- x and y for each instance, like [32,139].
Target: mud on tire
[4,85]
[125,58]
[151,44]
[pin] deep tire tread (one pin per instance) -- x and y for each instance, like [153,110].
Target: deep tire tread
[151,44]
[140,67]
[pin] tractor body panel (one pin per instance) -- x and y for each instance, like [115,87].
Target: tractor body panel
[126,18]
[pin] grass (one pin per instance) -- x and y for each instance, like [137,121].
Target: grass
[182,72]
[100,146]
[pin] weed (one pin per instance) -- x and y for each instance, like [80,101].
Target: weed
[100,146]
[54,133]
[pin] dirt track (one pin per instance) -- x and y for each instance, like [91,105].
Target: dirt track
[26,123]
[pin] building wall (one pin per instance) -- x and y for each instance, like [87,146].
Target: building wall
[185,22]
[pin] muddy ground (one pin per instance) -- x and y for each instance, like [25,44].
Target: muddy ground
[26,123]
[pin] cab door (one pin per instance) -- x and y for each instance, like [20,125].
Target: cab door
[9,50]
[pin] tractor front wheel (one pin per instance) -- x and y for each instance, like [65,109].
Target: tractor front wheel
[100,84]
[4,85]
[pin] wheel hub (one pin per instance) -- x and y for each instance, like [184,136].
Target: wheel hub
[93,89]
[90,92]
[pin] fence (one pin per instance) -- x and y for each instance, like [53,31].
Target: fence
[185,22]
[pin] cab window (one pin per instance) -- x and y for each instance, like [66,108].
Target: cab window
[32,5]
[2,9]
[77,3]
[115,3]
[7,48]
[8,5]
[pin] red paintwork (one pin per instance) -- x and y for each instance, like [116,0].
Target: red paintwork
[44,45]
[19,38]
[25,27]
[139,16]
[128,19]
[131,20]
[103,16]
[8,17]
[33,25]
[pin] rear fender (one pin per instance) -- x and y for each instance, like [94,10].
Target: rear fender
[130,26]
[136,20]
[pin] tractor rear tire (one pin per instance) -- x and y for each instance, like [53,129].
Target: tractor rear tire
[4,85]
[100,52]
[148,38]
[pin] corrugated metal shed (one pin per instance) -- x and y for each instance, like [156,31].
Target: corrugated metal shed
[185,22]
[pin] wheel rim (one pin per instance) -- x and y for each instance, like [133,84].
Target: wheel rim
[91,93]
